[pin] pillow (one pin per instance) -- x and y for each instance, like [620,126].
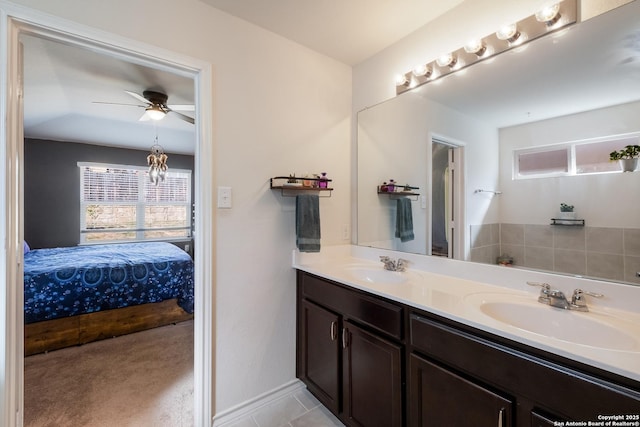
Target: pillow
[26,247]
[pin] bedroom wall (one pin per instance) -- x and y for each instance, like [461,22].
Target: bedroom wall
[279,108]
[52,186]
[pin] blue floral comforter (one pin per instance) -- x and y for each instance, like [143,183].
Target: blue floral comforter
[63,282]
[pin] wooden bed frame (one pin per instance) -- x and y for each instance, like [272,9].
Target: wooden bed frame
[55,334]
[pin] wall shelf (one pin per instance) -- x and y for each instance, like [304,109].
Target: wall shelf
[568,222]
[292,190]
[400,191]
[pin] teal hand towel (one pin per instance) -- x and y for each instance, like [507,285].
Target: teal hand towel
[308,223]
[404,220]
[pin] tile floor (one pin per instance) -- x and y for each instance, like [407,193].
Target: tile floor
[300,409]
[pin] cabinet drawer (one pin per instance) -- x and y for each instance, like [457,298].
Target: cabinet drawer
[371,311]
[582,396]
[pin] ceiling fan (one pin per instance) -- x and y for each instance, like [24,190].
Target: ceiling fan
[156,107]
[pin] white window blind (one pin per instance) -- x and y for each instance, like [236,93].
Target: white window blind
[119,203]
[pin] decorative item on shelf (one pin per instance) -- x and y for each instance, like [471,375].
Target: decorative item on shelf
[292,185]
[391,187]
[157,162]
[306,182]
[399,191]
[567,216]
[505,260]
[292,181]
[323,180]
[627,157]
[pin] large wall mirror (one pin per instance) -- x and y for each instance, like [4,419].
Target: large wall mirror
[460,141]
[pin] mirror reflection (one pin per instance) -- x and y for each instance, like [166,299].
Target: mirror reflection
[496,149]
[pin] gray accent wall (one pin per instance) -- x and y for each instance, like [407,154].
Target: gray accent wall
[52,186]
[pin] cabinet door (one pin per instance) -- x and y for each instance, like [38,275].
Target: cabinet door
[319,358]
[439,397]
[372,379]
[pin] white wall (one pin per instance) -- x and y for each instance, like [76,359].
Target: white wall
[599,199]
[279,108]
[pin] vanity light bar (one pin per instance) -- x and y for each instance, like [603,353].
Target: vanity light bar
[521,32]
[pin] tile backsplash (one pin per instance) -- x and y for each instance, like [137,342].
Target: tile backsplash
[602,252]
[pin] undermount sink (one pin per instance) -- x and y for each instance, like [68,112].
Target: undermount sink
[378,275]
[593,329]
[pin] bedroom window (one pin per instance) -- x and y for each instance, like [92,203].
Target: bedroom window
[119,203]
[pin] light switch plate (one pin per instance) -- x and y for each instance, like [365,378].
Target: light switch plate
[224,197]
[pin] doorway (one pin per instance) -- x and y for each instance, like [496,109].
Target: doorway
[16,24]
[446,188]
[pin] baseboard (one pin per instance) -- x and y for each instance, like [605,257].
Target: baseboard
[237,412]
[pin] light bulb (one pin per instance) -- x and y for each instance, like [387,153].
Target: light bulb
[401,80]
[509,33]
[549,14]
[446,60]
[421,70]
[155,113]
[475,46]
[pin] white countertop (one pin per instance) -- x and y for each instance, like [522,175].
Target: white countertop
[455,290]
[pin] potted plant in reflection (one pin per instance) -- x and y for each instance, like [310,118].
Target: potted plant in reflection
[566,212]
[627,157]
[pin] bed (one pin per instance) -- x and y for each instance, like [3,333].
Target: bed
[80,294]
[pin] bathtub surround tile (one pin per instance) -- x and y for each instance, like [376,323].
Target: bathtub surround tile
[607,266]
[485,254]
[538,235]
[569,238]
[539,258]
[631,269]
[514,251]
[631,242]
[570,261]
[604,240]
[495,234]
[512,234]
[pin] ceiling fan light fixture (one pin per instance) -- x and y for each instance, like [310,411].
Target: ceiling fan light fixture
[155,112]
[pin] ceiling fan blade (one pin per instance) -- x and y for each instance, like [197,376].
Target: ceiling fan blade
[138,97]
[183,117]
[118,103]
[182,107]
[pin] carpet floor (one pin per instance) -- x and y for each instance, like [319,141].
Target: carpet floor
[142,379]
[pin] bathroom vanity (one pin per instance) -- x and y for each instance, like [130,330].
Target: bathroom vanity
[380,348]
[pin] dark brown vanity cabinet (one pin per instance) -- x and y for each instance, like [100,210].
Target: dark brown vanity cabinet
[458,374]
[350,352]
[375,362]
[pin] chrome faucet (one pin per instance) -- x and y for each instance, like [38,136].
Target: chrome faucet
[556,298]
[391,265]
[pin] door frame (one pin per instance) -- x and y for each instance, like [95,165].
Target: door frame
[15,21]
[458,198]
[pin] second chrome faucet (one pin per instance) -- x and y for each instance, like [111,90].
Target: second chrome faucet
[556,298]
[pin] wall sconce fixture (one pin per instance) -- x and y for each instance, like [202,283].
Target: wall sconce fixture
[545,21]
[157,161]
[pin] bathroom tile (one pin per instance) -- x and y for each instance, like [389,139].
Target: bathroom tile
[475,235]
[538,235]
[306,399]
[485,254]
[538,258]
[569,261]
[569,238]
[604,240]
[512,234]
[494,236]
[244,422]
[631,269]
[632,242]
[318,417]
[279,413]
[514,251]
[605,266]
[480,235]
